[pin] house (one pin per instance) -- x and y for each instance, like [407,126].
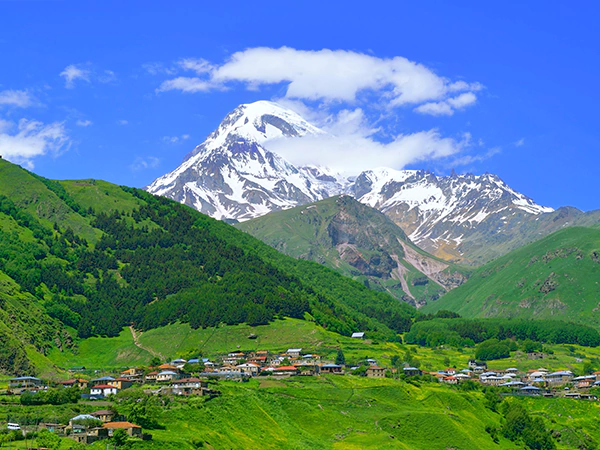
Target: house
[411,371]
[169,367]
[56,428]
[285,371]
[75,382]
[151,377]
[166,375]
[133,373]
[179,363]
[474,364]
[492,380]
[130,428]
[585,381]
[332,368]
[293,352]
[560,377]
[233,358]
[249,369]
[104,390]
[104,415]
[358,335]
[536,355]
[376,372]
[20,384]
[88,436]
[121,383]
[451,370]
[189,386]
[450,380]
[77,369]
[102,380]
[530,390]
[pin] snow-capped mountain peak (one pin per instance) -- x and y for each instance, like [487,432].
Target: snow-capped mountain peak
[232,176]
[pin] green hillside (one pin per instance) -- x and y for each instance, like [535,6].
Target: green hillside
[359,242]
[556,277]
[97,257]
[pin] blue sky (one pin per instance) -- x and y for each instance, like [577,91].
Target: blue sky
[96,89]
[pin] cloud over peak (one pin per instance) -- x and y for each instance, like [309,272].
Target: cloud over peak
[327,75]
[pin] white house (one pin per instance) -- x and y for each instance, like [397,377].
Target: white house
[166,375]
[104,390]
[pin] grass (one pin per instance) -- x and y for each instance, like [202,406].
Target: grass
[97,353]
[516,285]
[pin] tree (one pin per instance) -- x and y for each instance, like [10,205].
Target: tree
[47,439]
[119,437]
[340,359]
[492,349]
[155,361]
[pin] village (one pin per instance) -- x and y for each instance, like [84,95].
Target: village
[200,376]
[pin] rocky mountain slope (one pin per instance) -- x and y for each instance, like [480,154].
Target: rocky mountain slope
[556,277]
[360,242]
[462,218]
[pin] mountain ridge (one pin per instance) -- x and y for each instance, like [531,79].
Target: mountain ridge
[232,176]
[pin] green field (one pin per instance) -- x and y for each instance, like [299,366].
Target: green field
[343,412]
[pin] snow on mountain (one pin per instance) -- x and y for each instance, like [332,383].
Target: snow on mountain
[441,212]
[232,176]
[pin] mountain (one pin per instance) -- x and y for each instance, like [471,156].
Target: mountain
[462,218]
[556,277]
[441,214]
[84,258]
[360,242]
[232,176]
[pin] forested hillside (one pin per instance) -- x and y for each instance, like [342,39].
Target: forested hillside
[97,257]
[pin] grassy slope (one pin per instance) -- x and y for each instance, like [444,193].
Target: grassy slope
[512,286]
[305,232]
[179,339]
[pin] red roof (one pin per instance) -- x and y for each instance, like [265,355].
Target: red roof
[120,425]
[122,379]
[103,386]
[285,368]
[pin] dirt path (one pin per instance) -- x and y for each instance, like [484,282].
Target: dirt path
[136,340]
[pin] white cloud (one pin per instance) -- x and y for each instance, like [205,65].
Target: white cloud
[122,122]
[470,159]
[447,107]
[21,99]
[75,72]
[149,162]
[435,109]
[108,76]
[186,84]
[520,142]
[462,101]
[84,123]
[352,148]
[322,75]
[198,65]
[31,139]
[175,139]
